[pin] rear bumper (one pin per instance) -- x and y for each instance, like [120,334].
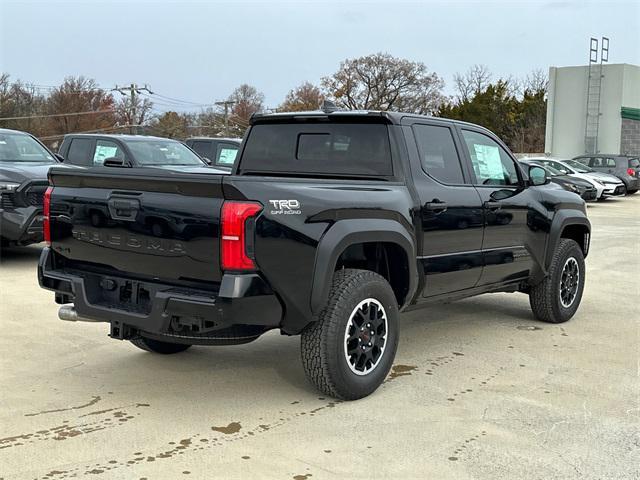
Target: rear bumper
[22,225]
[160,308]
[632,183]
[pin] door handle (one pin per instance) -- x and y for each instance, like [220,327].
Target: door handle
[491,205]
[436,206]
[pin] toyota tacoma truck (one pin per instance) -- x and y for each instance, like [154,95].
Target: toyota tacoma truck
[330,224]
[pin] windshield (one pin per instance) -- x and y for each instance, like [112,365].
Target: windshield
[18,147]
[578,167]
[163,152]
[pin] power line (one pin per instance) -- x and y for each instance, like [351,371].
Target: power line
[97,130]
[91,112]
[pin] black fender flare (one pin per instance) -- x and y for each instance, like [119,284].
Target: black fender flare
[561,220]
[348,232]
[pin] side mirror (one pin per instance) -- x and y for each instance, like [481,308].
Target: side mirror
[59,157]
[115,162]
[538,176]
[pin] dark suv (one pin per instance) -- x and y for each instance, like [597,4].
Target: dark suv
[625,167]
[98,150]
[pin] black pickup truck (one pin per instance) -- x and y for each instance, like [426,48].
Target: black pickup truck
[330,224]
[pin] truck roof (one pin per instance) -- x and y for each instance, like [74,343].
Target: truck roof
[394,118]
[226,139]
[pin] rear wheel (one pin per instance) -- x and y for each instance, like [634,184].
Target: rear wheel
[557,298]
[156,346]
[349,350]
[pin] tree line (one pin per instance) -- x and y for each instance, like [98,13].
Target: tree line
[515,109]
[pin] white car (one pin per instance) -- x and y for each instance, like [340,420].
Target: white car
[606,185]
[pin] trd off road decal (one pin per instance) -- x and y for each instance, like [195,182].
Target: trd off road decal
[285,207]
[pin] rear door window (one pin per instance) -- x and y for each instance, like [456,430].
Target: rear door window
[202,148]
[80,152]
[611,162]
[438,154]
[332,149]
[634,163]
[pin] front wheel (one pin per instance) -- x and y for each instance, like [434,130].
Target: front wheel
[631,192]
[348,351]
[557,298]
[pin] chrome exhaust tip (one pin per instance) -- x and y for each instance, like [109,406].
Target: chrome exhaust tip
[68,313]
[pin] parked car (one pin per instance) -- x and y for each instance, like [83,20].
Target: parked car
[625,167]
[330,224]
[608,185]
[584,188]
[99,150]
[218,152]
[24,163]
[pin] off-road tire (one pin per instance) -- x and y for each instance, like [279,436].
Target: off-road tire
[156,346]
[544,298]
[322,342]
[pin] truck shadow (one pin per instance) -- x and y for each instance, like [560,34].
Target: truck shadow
[15,256]
[271,365]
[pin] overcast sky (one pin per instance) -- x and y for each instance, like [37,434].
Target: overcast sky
[200,51]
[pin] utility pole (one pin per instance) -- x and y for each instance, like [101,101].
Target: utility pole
[131,90]
[226,105]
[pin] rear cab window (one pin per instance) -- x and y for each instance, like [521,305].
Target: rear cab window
[80,152]
[318,149]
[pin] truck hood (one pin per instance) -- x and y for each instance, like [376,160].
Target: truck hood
[21,171]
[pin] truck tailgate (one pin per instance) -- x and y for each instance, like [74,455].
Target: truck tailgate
[141,222]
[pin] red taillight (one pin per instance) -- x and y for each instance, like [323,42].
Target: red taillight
[46,224]
[631,172]
[233,244]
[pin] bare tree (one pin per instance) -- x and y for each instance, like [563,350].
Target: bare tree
[383,82]
[133,111]
[536,81]
[473,82]
[247,100]
[79,95]
[304,97]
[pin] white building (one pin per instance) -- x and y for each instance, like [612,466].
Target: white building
[617,126]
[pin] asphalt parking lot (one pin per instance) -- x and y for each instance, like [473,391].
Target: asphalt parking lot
[479,390]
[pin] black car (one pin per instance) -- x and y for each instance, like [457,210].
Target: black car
[581,187]
[24,163]
[218,152]
[99,150]
[329,225]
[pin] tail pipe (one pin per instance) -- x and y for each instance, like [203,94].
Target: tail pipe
[69,314]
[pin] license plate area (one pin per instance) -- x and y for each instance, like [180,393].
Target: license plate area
[116,293]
